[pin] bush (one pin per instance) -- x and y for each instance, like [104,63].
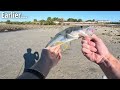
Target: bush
[8,21]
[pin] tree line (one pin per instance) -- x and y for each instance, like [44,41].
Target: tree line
[52,21]
[49,21]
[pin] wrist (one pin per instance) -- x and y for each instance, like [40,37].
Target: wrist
[110,66]
[42,67]
[106,58]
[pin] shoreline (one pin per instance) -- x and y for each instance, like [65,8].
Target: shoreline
[15,27]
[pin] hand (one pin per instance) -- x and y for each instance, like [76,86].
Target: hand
[51,55]
[49,58]
[94,49]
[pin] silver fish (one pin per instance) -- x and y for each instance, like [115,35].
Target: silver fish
[70,34]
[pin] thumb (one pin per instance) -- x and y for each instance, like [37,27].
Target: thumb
[95,38]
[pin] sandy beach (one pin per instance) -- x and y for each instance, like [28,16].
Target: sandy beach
[74,65]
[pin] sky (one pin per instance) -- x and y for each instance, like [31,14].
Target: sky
[84,15]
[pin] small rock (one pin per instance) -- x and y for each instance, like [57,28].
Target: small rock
[118,41]
[58,70]
[6,30]
[103,33]
[118,57]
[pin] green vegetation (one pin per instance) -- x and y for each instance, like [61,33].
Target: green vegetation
[91,20]
[8,21]
[49,21]
[35,20]
[74,20]
[16,22]
[79,20]
[53,21]
[113,23]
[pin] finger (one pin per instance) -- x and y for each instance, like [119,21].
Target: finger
[55,48]
[86,51]
[59,51]
[59,56]
[91,56]
[88,40]
[82,34]
[91,48]
[84,41]
[86,37]
[94,57]
[91,43]
[84,45]
[95,38]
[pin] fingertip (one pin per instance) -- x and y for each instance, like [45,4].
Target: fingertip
[84,38]
[92,43]
[84,45]
[60,55]
[94,37]
[84,41]
[84,50]
[93,49]
[57,46]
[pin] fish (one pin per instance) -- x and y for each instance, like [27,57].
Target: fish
[70,34]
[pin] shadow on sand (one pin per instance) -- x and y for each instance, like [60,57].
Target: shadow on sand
[30,58]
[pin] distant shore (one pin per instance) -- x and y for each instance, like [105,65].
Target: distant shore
[14,27]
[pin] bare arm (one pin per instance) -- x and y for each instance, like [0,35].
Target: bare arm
[95,50]
[111,67]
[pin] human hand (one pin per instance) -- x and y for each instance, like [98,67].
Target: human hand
[94,49]
[51,55]
[49,58]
